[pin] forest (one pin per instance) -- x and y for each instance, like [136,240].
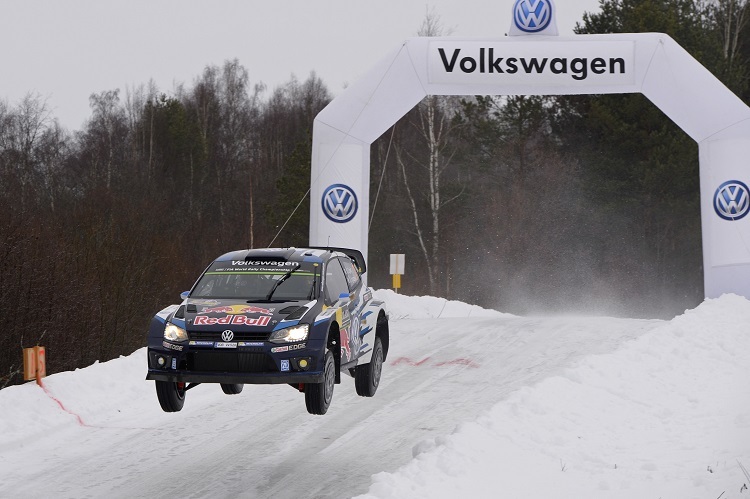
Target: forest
[525,204]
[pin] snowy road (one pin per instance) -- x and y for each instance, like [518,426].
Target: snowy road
[262,443]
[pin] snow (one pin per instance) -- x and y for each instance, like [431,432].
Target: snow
[473,403]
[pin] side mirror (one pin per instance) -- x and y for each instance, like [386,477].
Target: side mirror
[184,295]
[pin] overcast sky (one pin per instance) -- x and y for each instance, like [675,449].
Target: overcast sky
[66,50]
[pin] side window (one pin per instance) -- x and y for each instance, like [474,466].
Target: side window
[335,281]
[352,276]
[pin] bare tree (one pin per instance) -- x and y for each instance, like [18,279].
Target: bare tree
[107,118]
[435,128]
[731,17]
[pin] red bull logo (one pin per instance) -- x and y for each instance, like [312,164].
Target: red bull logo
[237,309]
[236,320]
[346,351]
[256,310]
[217,310]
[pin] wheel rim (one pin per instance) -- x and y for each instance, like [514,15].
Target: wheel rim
[179,389]
[329,382]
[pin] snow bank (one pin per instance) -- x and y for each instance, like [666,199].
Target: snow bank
[430,307]
[86,396]
[666,415]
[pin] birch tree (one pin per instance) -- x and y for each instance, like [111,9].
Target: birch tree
[433,123]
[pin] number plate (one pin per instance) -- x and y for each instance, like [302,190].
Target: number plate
[221,344]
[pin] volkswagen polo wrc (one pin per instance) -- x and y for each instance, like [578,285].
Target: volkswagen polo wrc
[296,316]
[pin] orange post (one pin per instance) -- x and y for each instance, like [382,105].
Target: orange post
[34,364]
[41,363]
[29,364]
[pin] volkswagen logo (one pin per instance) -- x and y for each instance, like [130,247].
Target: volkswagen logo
[227,335]
[339,203]
[532,16]
[732,200]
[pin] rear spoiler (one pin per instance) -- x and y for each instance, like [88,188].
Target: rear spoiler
[355,255]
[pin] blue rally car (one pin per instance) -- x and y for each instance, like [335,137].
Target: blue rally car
[297,316]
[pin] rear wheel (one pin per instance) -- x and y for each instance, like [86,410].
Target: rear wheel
[318,395]
[232,388]
[367,376]
[171,395]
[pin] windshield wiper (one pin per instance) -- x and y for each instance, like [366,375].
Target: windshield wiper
[281,279]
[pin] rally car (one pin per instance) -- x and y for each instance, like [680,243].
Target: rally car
[296,316]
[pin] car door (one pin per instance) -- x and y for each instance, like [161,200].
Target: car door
[356,305]
[336,285]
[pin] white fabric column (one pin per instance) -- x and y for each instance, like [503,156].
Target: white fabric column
[725,211]
[340,190]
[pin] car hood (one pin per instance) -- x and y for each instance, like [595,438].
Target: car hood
[239,315]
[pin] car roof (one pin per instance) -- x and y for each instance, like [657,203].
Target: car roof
[310,254]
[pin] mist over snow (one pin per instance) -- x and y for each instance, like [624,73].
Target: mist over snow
[473,403]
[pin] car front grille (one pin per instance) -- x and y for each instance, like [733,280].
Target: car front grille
[238,336]
[231,362]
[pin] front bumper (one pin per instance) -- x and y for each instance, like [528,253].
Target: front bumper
[245,378]
[301,363]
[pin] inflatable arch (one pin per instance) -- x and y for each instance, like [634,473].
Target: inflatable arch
[650,63]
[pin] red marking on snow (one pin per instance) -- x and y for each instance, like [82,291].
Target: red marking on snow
[406,360]
[455,362]
[49,394]
[459,362]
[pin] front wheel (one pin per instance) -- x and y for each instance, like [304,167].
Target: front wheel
[232,388]
[367,376]
[318,395]
[171,395]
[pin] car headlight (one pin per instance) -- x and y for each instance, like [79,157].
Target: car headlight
[290,334]
[174,333]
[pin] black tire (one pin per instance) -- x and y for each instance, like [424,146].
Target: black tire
[367,376]
[318,395]
[171,396]
[232,388]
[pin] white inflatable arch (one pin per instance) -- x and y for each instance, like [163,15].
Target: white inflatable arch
[650,63]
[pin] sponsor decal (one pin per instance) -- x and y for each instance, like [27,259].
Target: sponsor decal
[327,312]
[263,263]
[201,343]
[343,317]
[285,365]
[534,64]
[208,303]
[532,16]
[345,349]
[237,309]
[288,348]
[172,347]
[174,363]
[223,344]
[234,320]
[257,310]
[339,203]
[250,343]
[732,200]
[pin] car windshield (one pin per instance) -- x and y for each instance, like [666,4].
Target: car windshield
[256,281]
